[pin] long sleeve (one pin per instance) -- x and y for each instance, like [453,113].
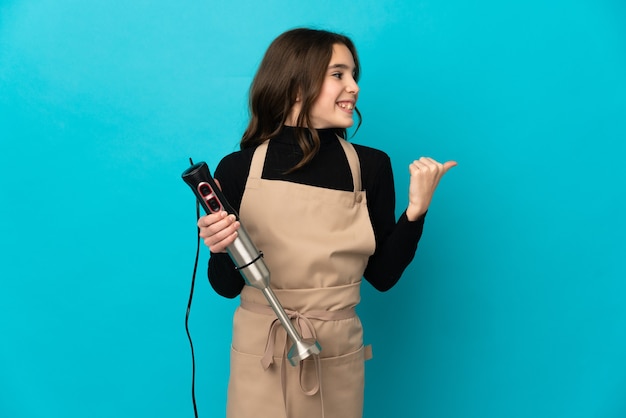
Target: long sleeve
[231,172]
[396,241]
[224,279]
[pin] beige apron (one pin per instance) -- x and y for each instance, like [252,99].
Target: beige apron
[316,243]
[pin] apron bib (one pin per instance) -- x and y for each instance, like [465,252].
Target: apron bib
[316,243]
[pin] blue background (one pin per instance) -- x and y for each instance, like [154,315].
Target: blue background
[514,305]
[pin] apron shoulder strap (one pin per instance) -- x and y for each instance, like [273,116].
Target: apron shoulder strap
[258,160]
[353,161]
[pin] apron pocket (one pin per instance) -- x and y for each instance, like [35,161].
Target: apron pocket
[252,391]
[342,387]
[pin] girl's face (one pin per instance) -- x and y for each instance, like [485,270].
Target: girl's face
[334,107]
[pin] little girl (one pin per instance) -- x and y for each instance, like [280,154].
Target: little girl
[322,211]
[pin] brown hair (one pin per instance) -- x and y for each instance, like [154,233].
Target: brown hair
[293,67]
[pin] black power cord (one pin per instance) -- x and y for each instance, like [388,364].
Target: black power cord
[193,282]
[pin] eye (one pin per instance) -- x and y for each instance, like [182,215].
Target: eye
[337,75]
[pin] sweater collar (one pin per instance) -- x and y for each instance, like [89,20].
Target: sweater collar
[288,134]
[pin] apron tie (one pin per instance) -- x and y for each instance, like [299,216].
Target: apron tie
[302,321]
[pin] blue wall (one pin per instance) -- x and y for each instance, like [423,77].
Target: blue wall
[514,305]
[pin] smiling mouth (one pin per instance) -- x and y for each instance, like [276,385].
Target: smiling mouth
[346,106]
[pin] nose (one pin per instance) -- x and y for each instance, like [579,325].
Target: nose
[352,87]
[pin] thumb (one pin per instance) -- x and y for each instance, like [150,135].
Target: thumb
[448,165]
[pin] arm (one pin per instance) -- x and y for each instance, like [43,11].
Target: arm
[396,242]
[220,230]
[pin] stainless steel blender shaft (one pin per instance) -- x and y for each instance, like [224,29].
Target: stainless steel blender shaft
[256,274]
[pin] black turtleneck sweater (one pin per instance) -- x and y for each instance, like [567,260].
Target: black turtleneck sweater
[396,242]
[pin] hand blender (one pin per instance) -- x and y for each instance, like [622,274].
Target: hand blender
[247,258]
